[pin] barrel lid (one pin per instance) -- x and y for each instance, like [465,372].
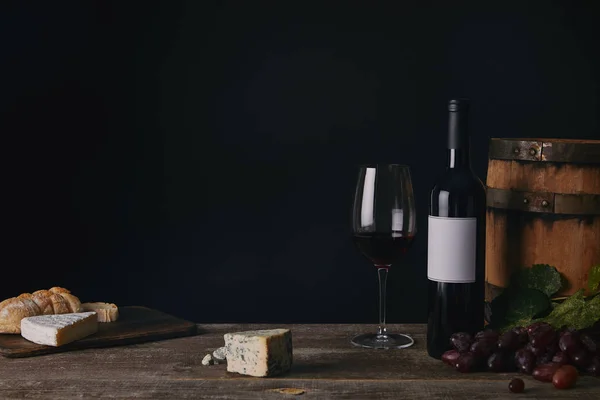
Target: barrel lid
[585,151]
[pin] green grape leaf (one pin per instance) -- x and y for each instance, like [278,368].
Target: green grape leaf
[542,277]
[517,307]
[575,312]
[594,278]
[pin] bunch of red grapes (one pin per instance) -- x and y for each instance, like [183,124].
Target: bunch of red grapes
[538,350]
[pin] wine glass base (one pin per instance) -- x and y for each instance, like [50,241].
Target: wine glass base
[387,341]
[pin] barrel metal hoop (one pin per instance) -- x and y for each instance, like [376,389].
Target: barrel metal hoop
[545,151]
[544,202]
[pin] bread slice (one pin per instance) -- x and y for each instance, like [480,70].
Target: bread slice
[107,312]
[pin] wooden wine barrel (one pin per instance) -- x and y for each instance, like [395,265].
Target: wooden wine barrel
[543,207]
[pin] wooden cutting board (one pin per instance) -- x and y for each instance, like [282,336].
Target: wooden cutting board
[135,325]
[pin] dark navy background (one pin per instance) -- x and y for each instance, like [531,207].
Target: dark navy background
[200,157]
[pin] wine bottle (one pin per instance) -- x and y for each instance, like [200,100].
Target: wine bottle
[456,242]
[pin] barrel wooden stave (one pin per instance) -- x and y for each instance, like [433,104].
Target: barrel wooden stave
[523,232]
[544,177]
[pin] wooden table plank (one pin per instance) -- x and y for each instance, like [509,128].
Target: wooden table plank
[326,365]
[266,389]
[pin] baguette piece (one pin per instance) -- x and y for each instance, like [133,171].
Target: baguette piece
[107,312]
[56,300]
[58,330]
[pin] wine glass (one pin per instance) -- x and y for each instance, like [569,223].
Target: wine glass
[384,226]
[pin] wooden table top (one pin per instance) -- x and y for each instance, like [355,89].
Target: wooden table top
[326,366]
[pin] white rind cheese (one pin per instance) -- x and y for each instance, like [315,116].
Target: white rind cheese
[60,329]
[261,353]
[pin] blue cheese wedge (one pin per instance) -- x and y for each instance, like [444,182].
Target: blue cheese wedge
[261,353]
[60,329]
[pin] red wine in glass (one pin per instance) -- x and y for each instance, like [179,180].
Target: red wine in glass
[382,248]
[383,228]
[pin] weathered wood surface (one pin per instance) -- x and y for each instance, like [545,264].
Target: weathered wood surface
[326,366]
[135,325]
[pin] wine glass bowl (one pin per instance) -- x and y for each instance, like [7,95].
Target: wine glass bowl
[384,226]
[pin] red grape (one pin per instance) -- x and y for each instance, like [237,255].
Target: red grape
[594,367]
[488,335]
[533,326]
[565,377]
[545,372]
[461,341]
[544,358]
[569,342]
[580,358]
[572,331]
[537,351]
[516,385]
[589,343]
[450,357]
[508,341]
[531,329]
[466,362]
[499,362]
[525,360]
[561,358]
[523,337]
[482,348]
[553,345]
[547,354]
[542,337]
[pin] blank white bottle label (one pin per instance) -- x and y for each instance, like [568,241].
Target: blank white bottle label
[451,249]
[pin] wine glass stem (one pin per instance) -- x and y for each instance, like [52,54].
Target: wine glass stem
[382,272]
